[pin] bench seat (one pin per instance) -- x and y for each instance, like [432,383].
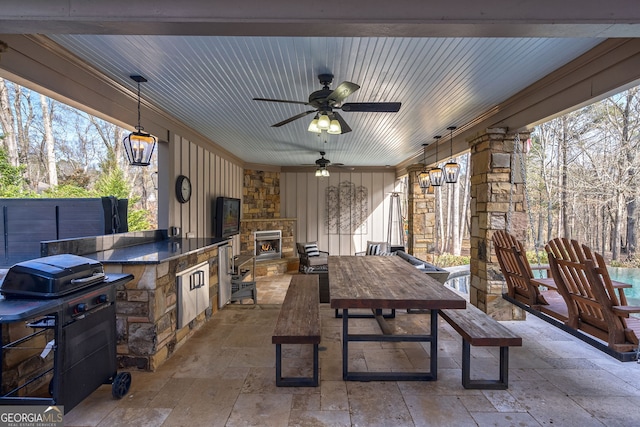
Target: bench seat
[479,329]
[299,323]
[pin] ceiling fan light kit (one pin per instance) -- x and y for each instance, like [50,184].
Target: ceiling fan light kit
[325,101]
[313,126]
[334,128]
[321,165]
[324,122]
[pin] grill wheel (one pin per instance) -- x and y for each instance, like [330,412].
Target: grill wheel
[121,384]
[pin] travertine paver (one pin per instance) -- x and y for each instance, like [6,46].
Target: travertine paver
[225,376]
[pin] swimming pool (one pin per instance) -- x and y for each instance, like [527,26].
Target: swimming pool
[630,276]
[624,275]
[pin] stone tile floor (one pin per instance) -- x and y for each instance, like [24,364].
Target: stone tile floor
[225,376]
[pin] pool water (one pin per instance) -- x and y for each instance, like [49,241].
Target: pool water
[624,275]
[630,276]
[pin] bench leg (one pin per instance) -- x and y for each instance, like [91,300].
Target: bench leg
[468,383]
[296,381]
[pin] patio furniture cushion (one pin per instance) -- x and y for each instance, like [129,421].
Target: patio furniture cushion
[311,258]
[376,248]
[311,249]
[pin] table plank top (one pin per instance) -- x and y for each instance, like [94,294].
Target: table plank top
[385,282]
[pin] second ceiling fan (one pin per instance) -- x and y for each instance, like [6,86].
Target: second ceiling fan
[325,101]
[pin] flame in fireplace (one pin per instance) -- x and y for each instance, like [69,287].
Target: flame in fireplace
[266,247]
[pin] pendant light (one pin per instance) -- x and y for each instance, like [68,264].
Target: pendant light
[423,177]
[451,168]
[436,176]
[139,145]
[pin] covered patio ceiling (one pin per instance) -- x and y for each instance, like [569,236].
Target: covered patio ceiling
[450,65]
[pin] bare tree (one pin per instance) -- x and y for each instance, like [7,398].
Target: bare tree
[9,135]
[49,142]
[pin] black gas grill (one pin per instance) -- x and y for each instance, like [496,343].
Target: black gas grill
[71,296]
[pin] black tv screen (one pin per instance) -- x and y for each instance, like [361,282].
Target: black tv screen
[227,217]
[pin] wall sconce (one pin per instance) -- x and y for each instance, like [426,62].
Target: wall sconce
[451,168]
[436,176]
[139,145]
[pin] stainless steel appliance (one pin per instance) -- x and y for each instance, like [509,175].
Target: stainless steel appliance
[71,296]
[193,292]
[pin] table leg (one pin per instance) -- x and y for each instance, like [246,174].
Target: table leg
[345,343]
[434,344]
[393,375]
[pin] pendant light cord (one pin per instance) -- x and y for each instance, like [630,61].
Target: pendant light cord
[139,128]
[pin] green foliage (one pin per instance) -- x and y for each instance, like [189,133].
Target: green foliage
[633,262]
[533,259]
[113,183]
[449,260]
[138,220]
[67,191]
[78,178]
[12,183]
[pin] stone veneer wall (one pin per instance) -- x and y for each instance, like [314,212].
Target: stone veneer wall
[421,218]
[491,167]
[249,226]
[261,211]
[146,309]
[261,195]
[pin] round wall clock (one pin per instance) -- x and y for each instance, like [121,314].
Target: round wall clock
[183,189]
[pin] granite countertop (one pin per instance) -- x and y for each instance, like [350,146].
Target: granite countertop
[155,252]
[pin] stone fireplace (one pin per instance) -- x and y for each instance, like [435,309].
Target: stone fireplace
[261,213]
[267,244]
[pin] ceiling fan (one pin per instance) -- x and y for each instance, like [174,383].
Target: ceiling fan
[322,163]
[326,100]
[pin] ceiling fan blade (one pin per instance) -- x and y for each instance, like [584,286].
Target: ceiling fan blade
[372,107]
[343,90]
[343,125]
[290,119]
[281,100]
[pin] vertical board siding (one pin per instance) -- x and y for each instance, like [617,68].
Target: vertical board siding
[211,176]
[304,197]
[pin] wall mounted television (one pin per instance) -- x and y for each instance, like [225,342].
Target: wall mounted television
[227,221]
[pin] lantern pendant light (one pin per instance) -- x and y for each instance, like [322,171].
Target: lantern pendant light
[139,145]
[423,177]
[436,176]
[451,168]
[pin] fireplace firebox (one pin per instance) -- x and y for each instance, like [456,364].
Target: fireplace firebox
[268,244]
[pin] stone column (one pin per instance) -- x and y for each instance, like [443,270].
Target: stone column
[492,197]
[421,217]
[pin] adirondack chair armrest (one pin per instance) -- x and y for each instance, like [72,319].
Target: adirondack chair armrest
[625,310]
[620,285]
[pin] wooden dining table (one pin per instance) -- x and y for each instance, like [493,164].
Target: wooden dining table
[387,282]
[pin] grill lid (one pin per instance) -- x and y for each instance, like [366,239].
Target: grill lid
[51,277]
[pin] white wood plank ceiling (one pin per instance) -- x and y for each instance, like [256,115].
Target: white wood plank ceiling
[208,82]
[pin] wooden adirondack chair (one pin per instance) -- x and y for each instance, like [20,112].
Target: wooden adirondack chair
[572,250]
[592,301]
[522,286]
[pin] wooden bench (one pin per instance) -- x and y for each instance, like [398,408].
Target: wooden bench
[299,323]
[479,329]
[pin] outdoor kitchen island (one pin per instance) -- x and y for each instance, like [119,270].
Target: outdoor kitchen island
[148,308]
